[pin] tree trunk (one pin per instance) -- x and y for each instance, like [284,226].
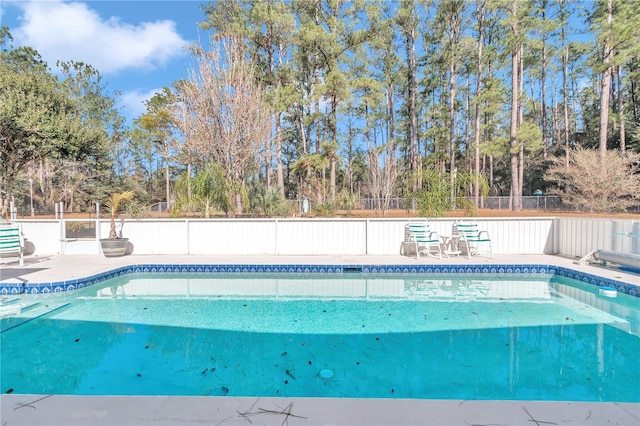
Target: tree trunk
[543,87]
[189,181]
[623,142]
[520,121]
[334,139]
[279,168]
[605,88]
[167,181]
[467,123]
[491,179]
[452,133]
[268,169]
[412,123]
[514,149]
[392,123]
[635,104]
[305,149]
[565,93]
[513,141]
[476,143]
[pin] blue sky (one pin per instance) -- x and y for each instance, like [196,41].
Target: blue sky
[137,46]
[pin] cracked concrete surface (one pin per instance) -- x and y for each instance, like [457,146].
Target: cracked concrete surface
[159,410]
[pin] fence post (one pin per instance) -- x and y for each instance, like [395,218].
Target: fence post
[62,233]
[98,227]
[187,223]
[366,237]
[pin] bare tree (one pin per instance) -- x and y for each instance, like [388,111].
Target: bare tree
[382,181]
[586,185]
[220,111]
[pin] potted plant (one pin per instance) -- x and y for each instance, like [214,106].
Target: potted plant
[115,245]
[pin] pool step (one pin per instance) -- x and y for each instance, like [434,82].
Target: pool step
[13,307]
[24,312]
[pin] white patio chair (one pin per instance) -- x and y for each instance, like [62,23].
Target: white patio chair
[421,239]
[12,242]
[471,238]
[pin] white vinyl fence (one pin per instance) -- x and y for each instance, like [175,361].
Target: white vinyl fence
[568,236]
[579,236]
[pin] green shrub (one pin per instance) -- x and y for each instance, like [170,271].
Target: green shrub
[326,209]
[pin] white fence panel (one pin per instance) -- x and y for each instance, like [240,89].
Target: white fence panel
[578,237]
[155,237]
[322,236]
[43,237]
[568,236]
[384,237]
[444,227]
[626,236]
[232,236]
[519,236]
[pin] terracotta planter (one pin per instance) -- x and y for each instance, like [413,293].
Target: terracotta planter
[114,248]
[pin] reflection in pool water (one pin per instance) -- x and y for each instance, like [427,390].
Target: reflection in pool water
[404,336]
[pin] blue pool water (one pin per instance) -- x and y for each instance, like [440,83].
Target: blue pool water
[348,335]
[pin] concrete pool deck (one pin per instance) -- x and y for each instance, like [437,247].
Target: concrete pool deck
[53,268]
[52,410]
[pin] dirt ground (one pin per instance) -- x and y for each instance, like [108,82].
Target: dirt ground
[404,213]
[500,213]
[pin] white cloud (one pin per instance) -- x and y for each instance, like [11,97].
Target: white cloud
[73,31]
[133,102]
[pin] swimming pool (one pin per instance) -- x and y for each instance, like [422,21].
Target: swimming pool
[408,335]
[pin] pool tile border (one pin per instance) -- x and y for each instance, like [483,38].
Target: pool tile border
[499,269]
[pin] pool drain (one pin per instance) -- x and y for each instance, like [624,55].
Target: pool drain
[326,374]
